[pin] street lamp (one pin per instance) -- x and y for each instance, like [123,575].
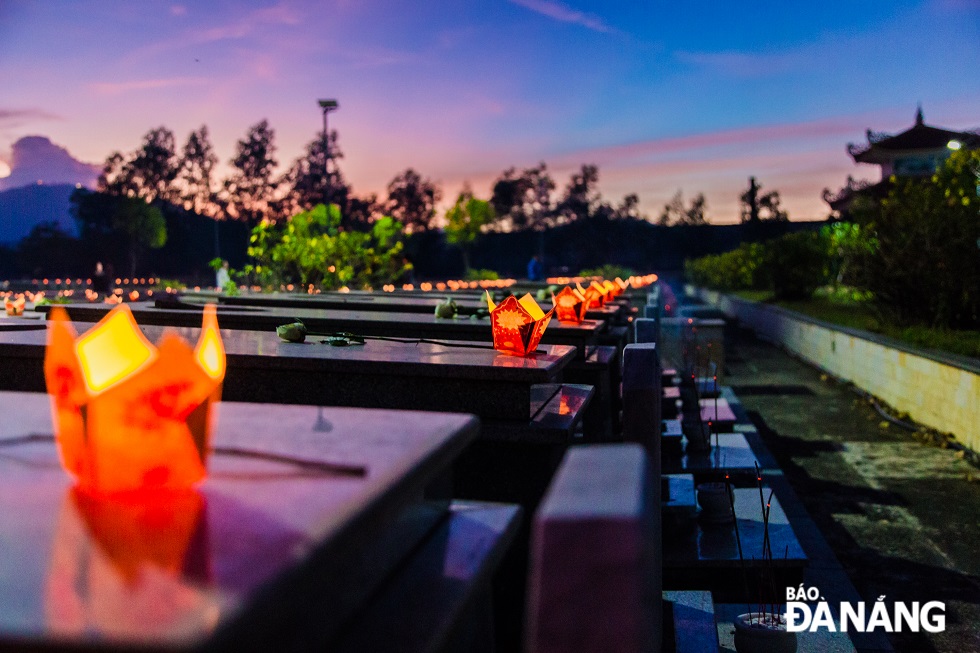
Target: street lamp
[327,106]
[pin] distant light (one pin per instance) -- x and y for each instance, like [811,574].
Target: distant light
[78,185]
[40,182]
[954,144]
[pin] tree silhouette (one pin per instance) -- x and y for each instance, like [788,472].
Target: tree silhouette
[362,211]
[581,195]
[250,193]
[629,208]
[757,208]
[674,212]
[412,200]
[524,201]
[148,173]
[309,181]
[196,173]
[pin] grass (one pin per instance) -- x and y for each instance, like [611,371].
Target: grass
[852,310]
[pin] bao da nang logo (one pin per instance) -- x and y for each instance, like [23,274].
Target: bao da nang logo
[807,610]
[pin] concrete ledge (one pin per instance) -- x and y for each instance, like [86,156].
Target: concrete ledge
[941,391]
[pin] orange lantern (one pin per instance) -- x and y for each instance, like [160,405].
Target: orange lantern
[14,307]
[128,415]
[517,324]
[594,297]
[570,305]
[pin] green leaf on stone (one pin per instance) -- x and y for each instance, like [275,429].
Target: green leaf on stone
[294,332]
[447,309]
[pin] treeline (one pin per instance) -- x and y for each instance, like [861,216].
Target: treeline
[254,191]
[162,209]
[159,171]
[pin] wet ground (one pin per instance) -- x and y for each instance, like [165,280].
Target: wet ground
[902,517]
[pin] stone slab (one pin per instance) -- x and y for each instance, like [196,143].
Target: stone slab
[278,558]
[706,556]
[693,616]
[375,301]
[730,453]
[380,374]
[453,571]
[367,323]
[681,500]
[718,413]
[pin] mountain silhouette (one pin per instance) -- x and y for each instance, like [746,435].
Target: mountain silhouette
[22,209]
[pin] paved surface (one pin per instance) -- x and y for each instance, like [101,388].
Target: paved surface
[903,518]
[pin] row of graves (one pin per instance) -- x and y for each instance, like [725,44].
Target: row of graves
[395,471]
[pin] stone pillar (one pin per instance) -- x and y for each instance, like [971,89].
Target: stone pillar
[646,330]
[596,580]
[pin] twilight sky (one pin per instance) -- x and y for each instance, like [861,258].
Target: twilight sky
[660,95]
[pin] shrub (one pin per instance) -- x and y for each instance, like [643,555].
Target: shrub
[739,269]
[796,264]
[922,247]
[482,275]
[311,249]
[608,271]
[792,266]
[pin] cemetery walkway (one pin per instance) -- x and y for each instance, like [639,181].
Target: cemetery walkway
[902,517]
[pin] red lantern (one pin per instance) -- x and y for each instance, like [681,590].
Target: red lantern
[517,324]
[570,305]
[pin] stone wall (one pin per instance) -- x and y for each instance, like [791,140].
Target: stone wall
[942,392]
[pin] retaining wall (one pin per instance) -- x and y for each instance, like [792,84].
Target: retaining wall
[939,391]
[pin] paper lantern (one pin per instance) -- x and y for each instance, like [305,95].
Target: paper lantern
[594,297]
[517,324]
[130,416]
[570,305]
[14,307]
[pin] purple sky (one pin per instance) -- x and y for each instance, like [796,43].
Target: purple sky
[662,96]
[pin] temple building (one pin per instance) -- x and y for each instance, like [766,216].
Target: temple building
[915,152]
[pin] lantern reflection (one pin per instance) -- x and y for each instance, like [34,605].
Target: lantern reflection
[132,567]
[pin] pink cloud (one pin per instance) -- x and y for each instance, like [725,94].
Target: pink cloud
[841,129]
[17,117]
[563,13]
[113,88]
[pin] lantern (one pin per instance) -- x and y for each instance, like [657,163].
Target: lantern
[128,415]
[517,324]
[570,305]
[14,307]
[594,297]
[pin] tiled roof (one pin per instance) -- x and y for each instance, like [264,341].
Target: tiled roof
[919,137]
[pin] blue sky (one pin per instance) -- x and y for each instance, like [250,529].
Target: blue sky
[662,96]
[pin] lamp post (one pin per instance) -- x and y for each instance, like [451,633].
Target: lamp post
[327,106]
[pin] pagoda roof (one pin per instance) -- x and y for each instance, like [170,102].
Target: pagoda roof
[883,147]
[841,200]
